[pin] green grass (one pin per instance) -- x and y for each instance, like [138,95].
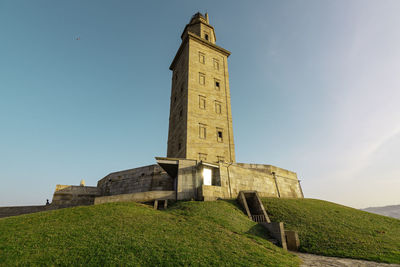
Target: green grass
[330,229]
[193,233]
[130,234]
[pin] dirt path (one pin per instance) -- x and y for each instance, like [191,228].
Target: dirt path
[310,260]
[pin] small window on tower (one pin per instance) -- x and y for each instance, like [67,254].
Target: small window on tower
[217,107]
[179,146]
[174,99]
[217,85]
[202,78]
[202,57]
[181,89]
[216,64]
[202,131]
[180,113]
[219,135]
[202,102]
[206,36]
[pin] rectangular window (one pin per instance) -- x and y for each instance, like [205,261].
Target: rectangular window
[202,57]
[202,78]
[218,107]
[216,64]
[202,131]
[202,102]
[217,84]
[219,135]
[206,35]
[202,156]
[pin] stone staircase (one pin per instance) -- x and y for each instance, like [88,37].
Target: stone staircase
[251,203]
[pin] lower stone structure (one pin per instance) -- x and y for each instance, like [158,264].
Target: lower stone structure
[186,179]
[70,195]
[142,179]
[269,181]
[210,181]
[174,179]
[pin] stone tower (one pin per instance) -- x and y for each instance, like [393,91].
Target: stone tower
[200,121]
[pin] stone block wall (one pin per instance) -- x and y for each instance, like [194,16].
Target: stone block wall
[64,196]
[147,178]
[242,178]
[70,195]
[288,188]
[189,180]
[212,193]
[267,180]
[19,210]
[137,197]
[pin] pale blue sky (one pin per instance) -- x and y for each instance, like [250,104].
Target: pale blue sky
[315,88]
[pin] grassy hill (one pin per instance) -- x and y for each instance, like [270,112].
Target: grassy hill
[330,229]
[193,233]
[131,234]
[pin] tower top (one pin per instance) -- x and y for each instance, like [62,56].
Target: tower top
[200,17]
[200,25]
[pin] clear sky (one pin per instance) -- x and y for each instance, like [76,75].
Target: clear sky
[315,89]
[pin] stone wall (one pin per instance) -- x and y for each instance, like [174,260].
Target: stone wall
[147,178]
[70,195]
[211,193]
[267,180]
[242,178]
[137,197]
[189,179]
[64,196]
[19,210]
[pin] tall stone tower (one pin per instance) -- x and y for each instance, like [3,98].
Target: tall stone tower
[200,120]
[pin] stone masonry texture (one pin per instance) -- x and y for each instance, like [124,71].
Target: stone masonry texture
[147,178]
[200,123]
